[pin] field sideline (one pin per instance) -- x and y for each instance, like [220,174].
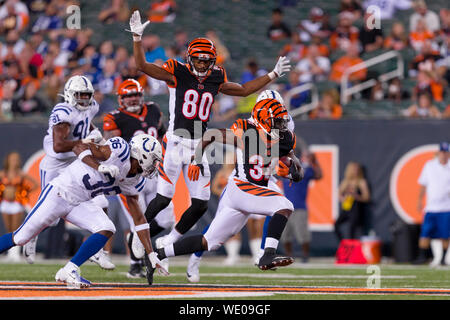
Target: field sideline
[320,279]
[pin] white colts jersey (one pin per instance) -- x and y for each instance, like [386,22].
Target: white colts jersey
[79,121]
[79,182]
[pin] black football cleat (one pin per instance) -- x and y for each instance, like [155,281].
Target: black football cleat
[150,270]
[272,261]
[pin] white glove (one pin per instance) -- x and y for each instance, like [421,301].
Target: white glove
[156,263]
[93,136]
[111,169]
[136,27]
[281,67]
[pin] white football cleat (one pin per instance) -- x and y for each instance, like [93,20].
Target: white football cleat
[192,272]
[103,259]
[160,243]
[29,250]
[70,274]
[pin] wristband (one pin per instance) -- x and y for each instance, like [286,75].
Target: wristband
[272,75]
[84,154]
[141,227]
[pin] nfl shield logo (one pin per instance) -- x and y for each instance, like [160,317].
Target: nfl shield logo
[200,86]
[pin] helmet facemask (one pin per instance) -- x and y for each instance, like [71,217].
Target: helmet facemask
[135,105]
[201,57]
[83,99]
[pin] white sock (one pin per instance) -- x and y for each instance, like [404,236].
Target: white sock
[437,249]
[271,243]
[172,237]
[232,247]
[255,246]
[70,266]
[447,256]
[169,250]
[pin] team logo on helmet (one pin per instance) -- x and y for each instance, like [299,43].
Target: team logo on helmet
[270,116]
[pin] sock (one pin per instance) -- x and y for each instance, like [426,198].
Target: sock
[6,242]
[264,235]
[254,247]
[192,215]
[437,250]
[188,245]
[173,236]
[271,243]
[232,247]
[423,253]
[276,227]
[447,256]
[88,248]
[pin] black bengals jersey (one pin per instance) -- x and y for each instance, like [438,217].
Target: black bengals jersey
[148,121]
[253,162]
[191,98]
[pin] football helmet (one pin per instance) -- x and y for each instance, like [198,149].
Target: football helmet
[268,115]
[270,94]
[79,92]
[202,49]
[148,152]
[131,88]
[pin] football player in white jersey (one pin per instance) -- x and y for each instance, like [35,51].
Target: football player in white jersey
[70,123]
[113,168]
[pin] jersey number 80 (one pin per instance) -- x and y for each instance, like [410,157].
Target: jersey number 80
[191,108]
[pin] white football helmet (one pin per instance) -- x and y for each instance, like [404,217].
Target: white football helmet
[270,94]
[148,152]
[74,88]
[273,94]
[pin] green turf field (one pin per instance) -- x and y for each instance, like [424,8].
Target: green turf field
[297,275]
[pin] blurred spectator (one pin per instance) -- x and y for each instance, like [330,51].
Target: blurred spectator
[115,11]
[7,89]
[13,75]
[314,67]
[224,108]
[153,49]
[350,59]
[395,91]
[68,41]
[420,35]
[424,108]
[55,61]
[297,225]
[245,105]
[106,52]
[353,6]
[371,38]
[48,21]
[37,6]
[13,46]
[422,13]
[377,92]
[428,82]
[14,15]
[155,86]
[446,113]
[328,106]
[15,187]
[353,195]
[427,59]
[324,50]
[295,50]
[109,79]
[345,33]
[162,11]
[306,28]
[388,7]
[181,43]
[121,57]
[29,102]
[293,82]
[397,39]
[252,71]
[278,29]
[223,54]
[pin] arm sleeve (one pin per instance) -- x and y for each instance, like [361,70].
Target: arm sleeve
[109,122]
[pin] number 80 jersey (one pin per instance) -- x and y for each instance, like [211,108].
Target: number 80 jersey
[79,122]
[191,97]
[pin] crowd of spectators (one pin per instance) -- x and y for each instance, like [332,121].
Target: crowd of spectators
[39,53]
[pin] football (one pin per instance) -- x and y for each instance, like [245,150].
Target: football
[286,160]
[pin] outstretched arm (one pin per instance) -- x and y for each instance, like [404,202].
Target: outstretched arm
[243,90]
[151,69]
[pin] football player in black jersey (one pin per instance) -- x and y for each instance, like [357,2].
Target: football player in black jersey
[134,116]
[261,141]
[192,88]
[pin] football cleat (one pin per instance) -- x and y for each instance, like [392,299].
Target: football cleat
[136,271]
[70,274]
[160,243]
[192,272]
[103,259]
[271,261]
[29,250]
